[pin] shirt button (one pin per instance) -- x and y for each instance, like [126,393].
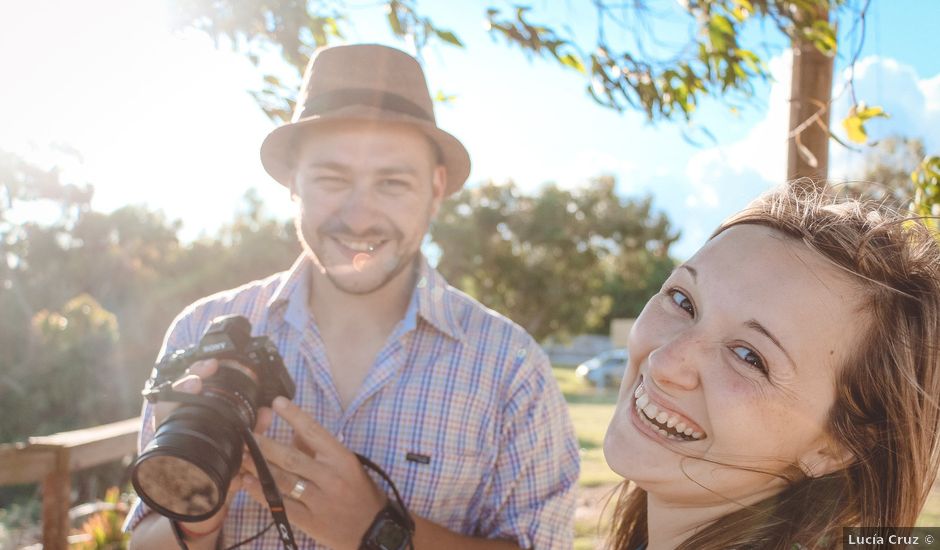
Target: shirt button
[340,437]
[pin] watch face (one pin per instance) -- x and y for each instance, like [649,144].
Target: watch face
[390,536]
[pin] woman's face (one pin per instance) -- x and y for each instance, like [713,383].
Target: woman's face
[736,359]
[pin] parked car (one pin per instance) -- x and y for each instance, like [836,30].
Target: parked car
[604,370]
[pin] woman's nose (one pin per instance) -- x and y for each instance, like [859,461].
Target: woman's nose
[677,362]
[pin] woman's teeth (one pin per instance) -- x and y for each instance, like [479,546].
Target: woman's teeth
[666,423]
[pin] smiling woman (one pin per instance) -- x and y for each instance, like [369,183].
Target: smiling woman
[783,383]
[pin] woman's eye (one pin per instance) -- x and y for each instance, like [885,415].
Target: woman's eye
[749,357]
[681,300]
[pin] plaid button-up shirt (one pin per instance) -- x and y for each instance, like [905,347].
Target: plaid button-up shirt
[455,382]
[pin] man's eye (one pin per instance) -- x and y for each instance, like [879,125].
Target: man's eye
[327,181]
[681,300]
[748,356]
[394,183]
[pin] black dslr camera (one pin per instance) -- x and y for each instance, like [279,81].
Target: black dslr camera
[185,471]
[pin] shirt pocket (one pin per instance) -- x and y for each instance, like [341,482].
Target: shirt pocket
[443,486]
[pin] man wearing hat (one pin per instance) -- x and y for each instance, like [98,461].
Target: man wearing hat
[453,401]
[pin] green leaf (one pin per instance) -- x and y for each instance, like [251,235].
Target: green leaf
[859,114]
[393,19]
[823,36]
[866,113]
[721,24]
[573,61]
[750,59]
[855,129]
[441,97]
[448,37]
[926,201]
[333,28]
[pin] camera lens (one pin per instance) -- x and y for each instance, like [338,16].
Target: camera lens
[185,470]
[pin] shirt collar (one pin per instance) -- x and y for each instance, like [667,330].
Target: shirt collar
[432,298]
[435,301]
[290,297]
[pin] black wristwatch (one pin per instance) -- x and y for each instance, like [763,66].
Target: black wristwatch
[390,530]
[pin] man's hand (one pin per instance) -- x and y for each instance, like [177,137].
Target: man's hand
[338,501]
[192,383]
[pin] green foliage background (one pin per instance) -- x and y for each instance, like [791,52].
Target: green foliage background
[85,296]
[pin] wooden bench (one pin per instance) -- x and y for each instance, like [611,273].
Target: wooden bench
[51,459]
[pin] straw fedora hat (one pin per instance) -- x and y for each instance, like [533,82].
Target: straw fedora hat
[366,82]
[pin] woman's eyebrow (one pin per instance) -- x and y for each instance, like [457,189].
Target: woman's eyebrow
[754,324]
[690,269]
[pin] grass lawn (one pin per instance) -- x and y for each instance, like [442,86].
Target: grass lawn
[591,410]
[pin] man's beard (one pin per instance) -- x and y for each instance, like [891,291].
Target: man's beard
[330,230]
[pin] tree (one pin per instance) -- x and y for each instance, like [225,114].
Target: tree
[628,63]
[85,298]
[557,262]
[898,174]
[927,192]
[127,266]
[886,176]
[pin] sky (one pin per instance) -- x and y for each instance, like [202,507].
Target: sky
[163,118]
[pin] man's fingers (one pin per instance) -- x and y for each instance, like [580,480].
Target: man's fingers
[302,445]
[315,437]
[204,367]
[293,461]
[187,384]
[265,417]
[190,383]
[284,480]
[295,509]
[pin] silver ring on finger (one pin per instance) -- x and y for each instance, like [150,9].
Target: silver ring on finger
[298,489]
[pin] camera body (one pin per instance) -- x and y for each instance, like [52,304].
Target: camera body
[229,337]
[185,470]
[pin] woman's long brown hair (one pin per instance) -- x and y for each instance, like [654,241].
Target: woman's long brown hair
[886,409]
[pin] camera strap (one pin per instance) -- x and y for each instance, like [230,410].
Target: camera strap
[409,521]
[272,495]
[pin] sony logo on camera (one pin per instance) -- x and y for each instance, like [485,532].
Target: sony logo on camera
[212,348]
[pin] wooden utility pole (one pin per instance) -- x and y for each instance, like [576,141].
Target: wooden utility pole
[810,93]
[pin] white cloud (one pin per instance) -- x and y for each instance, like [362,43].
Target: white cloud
[930,87]
[722,179]
[912,102]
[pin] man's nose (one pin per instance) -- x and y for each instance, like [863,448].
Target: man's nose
[359,209]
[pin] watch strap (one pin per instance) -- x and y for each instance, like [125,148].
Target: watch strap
[393,512]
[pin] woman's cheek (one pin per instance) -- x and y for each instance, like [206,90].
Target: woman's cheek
[629,379]
[650,329]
